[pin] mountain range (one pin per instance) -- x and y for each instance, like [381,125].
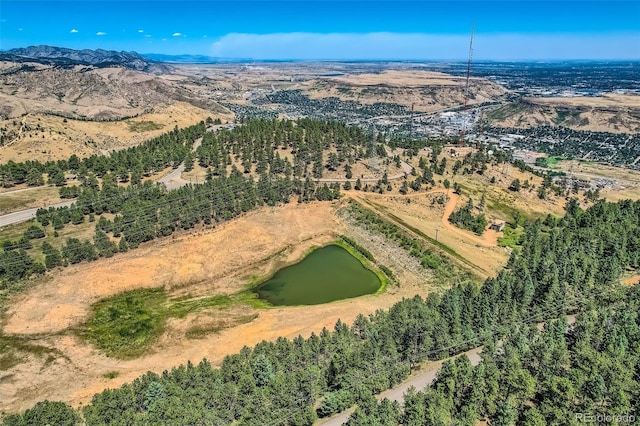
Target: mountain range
[51,55]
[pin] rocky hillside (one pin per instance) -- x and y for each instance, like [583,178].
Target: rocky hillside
[609,113]
[87,92]
[51,55]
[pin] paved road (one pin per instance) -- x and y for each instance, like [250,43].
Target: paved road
[22,215]
[419,381]
[172,180]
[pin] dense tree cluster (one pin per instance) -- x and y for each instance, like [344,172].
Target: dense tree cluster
[313,145]
[169,149]
[464,218]
[562,375]
[565,265]
[145,211]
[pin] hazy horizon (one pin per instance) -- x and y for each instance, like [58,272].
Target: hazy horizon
[331,30]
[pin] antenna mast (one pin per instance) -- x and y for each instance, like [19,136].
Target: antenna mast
[466,90]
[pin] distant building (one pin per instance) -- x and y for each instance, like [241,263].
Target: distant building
[496,226]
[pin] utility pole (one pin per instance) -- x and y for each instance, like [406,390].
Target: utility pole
[437,234]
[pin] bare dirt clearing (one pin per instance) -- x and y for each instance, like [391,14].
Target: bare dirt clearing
[608,100]
[609,113]
[28,198]
[47,137]
[218,261]
[418,211]
[426,91]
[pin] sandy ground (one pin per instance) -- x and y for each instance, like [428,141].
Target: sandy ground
[53,138]
[614,113]
[609,100]
[215,261]
[417,211]
[633,280]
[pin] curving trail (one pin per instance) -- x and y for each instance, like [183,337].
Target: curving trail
[422,380]
[488,239]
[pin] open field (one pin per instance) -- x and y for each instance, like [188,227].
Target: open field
[28,198]
[610,113]
[49,314]
[607,101]
[426,91]
[620,183]
[48,137]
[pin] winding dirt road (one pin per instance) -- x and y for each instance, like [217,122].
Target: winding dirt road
[488,239]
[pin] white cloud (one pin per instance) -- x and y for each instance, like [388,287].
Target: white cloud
[420,46]
[19,29]
[101,33]
[147,35]
[140,31]
[177,34]
[73,31]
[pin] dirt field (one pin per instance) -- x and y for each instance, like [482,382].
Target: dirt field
[633,280]
[426,91]
[417,211]
[621,183]
[26,198]
[47,137]
[218,261]
[610,113]
[609,100]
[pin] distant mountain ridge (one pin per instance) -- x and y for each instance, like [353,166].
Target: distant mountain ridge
[98,57]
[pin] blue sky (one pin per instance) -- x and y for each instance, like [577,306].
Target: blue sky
[505,30]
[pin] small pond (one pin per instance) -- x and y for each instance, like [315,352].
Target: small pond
[327,274]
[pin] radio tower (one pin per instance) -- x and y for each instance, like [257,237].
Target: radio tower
[466,90]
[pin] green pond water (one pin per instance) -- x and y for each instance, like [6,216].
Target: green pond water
[327,274]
